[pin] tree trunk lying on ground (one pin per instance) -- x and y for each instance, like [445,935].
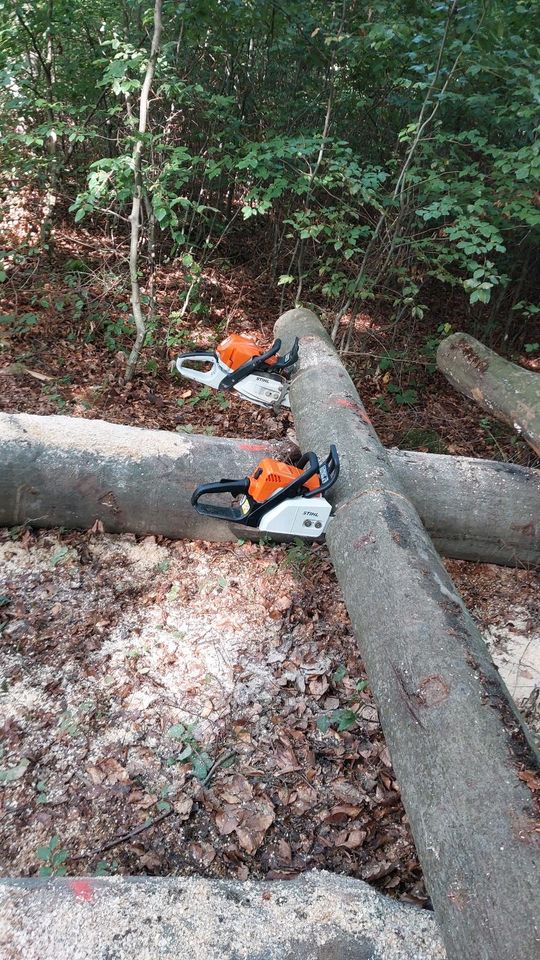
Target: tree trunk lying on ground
[505,390]
[317,916]
[459,748]
[68,472]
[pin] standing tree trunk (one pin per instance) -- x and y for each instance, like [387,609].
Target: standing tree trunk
[52,142]
[508,392]
[462,755]
[135,216]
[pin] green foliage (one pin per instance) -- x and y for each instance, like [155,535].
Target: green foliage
[192,752]
[342,719]
[421,177]
[406,396]
[419,438]
[299,556]
[52,858]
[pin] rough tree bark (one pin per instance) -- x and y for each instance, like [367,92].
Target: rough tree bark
[71,472]
[135,215]
[505,390]
[460,751]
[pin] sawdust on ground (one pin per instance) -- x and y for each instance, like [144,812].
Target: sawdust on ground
[134,670]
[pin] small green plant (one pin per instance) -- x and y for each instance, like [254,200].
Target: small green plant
[52,858]
[41,788]
[18,325]
[52,394]
[418,438]
[299,556]
[388,360]
[192,752]
[163,804]
[223,402]
[339,673]
[342,720]
[532,347]
[104,869]
[431,345]
[406,396]
[173,592]
[493,433]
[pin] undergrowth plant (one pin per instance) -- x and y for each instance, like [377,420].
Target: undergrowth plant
[358,153]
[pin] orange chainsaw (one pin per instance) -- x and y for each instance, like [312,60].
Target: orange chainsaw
[240,364]
[277,498]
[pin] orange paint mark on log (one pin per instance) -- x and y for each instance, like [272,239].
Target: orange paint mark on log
[355,407]
[81,889]
[253,446]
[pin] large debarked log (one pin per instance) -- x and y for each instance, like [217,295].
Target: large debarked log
[318,916]
[459,749]
[505,390]
[69,472]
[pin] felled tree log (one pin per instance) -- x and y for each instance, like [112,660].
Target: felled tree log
[317,916]
[63,471]
[505,390]
[474,509]
[460,751]
[69,472]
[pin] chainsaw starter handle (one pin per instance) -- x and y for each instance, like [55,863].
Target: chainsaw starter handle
[235,487]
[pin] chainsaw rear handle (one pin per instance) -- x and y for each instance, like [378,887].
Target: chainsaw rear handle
[216,510]
[288,359]
[210,378]
[328,472]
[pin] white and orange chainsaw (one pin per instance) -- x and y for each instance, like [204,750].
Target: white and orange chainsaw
[277,499]
[240,364]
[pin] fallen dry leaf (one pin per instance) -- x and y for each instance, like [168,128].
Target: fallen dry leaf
[183,807]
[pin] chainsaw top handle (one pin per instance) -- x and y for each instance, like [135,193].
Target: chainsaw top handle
[256,364]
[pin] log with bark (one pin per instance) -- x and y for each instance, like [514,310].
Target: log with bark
[70,472]
[508,392]
[317,916]
[462,755]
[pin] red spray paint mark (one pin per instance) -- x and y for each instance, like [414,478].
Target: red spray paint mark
[253,446]
[355,407]
[81,889]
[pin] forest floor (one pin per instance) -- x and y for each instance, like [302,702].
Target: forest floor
[184,707]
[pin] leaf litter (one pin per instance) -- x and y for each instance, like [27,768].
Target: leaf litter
[194,708]
[276,763]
